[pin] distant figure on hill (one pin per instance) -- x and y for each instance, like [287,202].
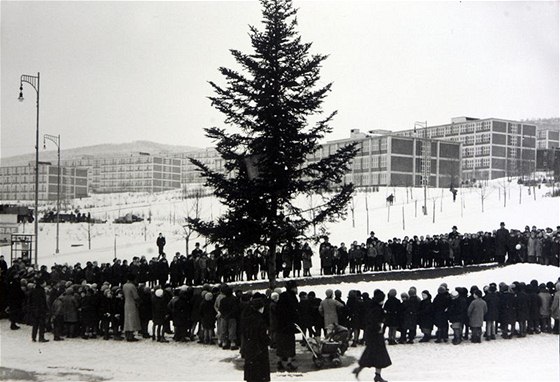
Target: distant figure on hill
[160,242]
[390,199]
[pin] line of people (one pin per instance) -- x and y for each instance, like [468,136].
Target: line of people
[253,322]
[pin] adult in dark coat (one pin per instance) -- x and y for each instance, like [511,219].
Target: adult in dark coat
[492,315]
[316,318]
[392,308]
[38,309]
[410,309]
[15,299]
[180,314]
[287,315]
[353,304]
[160,242]
[306,315]
[534,308]
[502,238]
[457,313]
[163,270]
[88,313]
[375,354]
[439,307]
[506,310]
[145,310]
[522,309]
[425,316]
[255,341]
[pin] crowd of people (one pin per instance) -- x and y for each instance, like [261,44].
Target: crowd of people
[532,245]
[233,319]
[120,301]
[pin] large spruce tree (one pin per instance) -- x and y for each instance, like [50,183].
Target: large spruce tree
[267,106]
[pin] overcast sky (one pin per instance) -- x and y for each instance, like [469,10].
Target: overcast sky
[114,72]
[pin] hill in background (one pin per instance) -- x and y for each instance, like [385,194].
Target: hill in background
[105,150]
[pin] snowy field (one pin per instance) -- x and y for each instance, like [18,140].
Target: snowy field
[168,212]
[534,358]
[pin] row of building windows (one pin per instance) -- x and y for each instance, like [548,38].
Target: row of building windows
[453,129]
[476,163]
[373,161]
[476,151]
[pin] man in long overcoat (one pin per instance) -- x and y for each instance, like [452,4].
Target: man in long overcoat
[38,309]
[255,341]
[502,237]
[287,316]
[131,313]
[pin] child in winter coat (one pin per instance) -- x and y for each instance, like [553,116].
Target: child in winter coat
[58,318]
[457,306]
[207,317]
[159,313]
[70,311]
[106,313]
[118,316]
[544,308]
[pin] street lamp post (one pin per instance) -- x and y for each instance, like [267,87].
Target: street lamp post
[34,82]
[56,140]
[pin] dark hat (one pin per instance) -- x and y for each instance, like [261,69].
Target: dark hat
[291,284]
[378,296]
[502,223]
[257,301]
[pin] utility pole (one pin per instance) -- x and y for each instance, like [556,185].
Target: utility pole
[56,140]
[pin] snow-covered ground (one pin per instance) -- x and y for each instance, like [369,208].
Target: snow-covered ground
[168,212]
[534,358]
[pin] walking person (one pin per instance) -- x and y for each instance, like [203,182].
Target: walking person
[375,354]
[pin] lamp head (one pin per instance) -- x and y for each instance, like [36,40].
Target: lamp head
[20,98]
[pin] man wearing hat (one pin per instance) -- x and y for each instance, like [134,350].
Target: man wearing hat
[502,238]
[255,340]
[287,315]
[39,309]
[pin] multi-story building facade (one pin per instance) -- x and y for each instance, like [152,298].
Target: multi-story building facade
[190,173]
[139,172]
[491,148]
[18,182]
[384,160]
[548,148]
